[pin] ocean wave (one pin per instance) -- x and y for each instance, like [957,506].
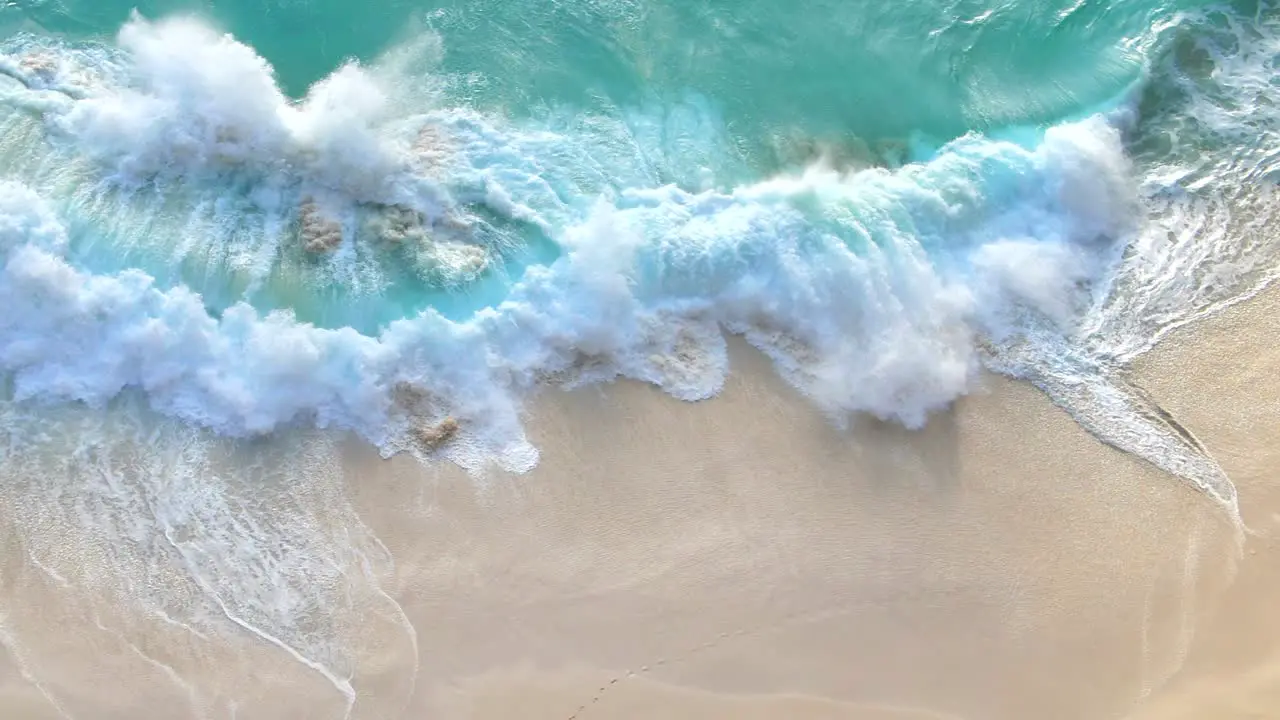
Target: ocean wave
[1204,147]
[865,287]
[560,256]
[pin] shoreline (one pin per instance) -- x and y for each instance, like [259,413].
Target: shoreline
[845,531]
[734,558]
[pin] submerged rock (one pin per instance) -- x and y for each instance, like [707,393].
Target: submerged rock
[318,233]
[431,437]
[41,66]
[410,397]
[416,402]
[431,149]
[439,248]
[397,225]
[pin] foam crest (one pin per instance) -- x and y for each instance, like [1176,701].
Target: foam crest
[836,276]
[193,104]
[86,337]
[202,100]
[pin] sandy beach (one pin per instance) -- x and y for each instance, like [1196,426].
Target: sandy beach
[738,558]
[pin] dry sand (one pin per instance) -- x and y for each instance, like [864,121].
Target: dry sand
[741,558]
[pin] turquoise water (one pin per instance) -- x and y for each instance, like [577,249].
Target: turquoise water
[822,69]
[257,215]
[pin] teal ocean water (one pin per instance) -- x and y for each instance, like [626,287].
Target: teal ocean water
[402,218]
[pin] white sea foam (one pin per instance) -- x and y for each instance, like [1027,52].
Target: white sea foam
[1206,154]
[151,520]
[872,290]
[827,273]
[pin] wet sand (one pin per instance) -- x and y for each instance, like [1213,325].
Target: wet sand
[1220,379]
[743,558]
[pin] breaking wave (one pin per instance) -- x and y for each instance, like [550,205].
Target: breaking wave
[375,259]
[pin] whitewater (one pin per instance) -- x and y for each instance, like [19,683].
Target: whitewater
[392,252]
